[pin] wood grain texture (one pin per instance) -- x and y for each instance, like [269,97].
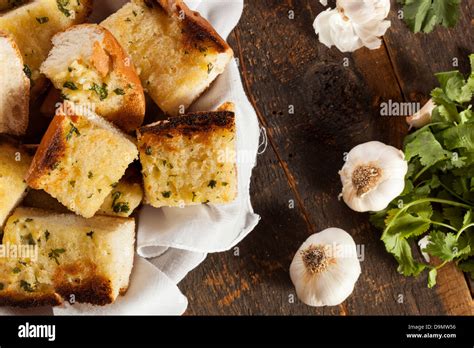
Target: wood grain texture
[336,100]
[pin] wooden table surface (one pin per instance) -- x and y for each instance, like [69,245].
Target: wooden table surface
[336,100]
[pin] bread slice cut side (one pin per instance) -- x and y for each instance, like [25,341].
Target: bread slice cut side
[122,201]
[80,159]
[91,68]
[14,88]
[34,24]
[91,259]
[14,164]
[177,52]
[190,159]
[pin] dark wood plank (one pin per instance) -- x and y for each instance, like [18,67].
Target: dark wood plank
[336,107]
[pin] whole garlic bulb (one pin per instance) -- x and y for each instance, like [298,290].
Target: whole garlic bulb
[373,175]
[325,268]
[353,24]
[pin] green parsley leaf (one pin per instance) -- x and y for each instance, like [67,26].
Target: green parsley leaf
[62,6]
[101,91]
[426,146]
[70,85]
[425,15]
[55,254]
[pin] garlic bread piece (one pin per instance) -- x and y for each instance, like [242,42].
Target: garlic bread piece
[90,259]
[177,52]
[33,25]
[90,67]
[80,159]
[190,159]
[14,89]
[14,164]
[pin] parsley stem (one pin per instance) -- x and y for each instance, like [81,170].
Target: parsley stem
[421,201]
[442,224]
[441,265]
[420,173]
[453,193]
[463,229]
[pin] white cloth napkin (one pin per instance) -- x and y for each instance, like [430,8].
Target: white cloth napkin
[178,239]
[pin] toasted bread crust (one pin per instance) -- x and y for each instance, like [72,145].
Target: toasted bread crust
[15,299]
[199,122]
[50,151]
[95,290]
[196,29]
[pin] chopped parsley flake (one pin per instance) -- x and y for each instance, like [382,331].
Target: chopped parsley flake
[210,66]
[62,4]
[119,91]
[100,90]
[70,85]
[72,131]
[26,286]
[55,253]
[42,20]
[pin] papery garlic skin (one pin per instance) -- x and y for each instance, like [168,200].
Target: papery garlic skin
[353,24]
[333,284]
[423,116]
[423,243]
[373,175]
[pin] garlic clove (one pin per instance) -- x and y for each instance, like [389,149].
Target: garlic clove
[353,24]
[373,175]
[327,276]
[423,243]
[343,34]
[423,116]
[322,27]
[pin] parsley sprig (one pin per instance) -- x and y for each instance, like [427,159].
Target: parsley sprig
[425,15]
[438,199]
